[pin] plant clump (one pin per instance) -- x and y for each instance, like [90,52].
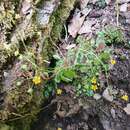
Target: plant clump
[111,35]
[82,67]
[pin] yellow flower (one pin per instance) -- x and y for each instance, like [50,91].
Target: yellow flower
[59,128]
[125,97]
[113,62]
[59,91]
[94,80]
[94,87]
[36,80]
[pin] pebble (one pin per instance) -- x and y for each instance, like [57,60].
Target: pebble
[128,21]
[123,7]
[107,95]
[83,3]
[97,96]
[127,109]
[5,74]
[113,113]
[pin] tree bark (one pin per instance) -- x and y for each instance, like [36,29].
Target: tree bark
[26,28]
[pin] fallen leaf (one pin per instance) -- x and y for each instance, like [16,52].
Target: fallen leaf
[76,24]
[83,3]
[86,11]
[128,7]
[26,5]
[86,27]
[100,47]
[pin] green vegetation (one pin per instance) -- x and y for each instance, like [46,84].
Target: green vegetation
[82,66]
[101,3]
[31,47]
[111,35]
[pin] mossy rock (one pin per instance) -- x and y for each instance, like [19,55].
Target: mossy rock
[20,108]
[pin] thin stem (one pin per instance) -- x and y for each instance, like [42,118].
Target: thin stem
[117,12]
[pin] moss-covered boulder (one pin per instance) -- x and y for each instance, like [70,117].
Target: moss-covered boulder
[30,44]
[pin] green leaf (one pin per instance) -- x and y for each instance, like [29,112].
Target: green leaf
[58,77]
[104,56]
[56,56]
[90,93]
[68,75]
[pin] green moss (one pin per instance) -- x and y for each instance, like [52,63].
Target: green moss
[4,127]
[59,17]
[5,52]
[21,109]
[57,21]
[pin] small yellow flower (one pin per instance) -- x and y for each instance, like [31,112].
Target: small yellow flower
[113,62]
[94,87]
[36,80]
[59,128]
[59,91]
[125,97]
[94,80]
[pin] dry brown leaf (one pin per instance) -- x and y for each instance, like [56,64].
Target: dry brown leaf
[26,5]
[100,47]
[128,7]
[75,24]
[83,3]
[86,27]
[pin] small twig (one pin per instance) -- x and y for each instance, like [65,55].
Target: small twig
[117,12]
[66,33]
[57,47]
